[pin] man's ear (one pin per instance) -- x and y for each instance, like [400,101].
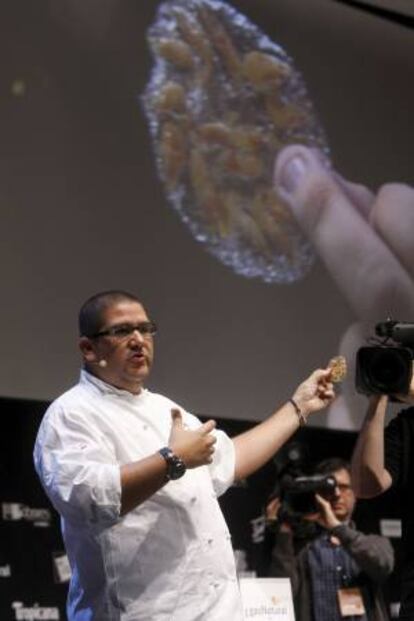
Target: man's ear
[87,349]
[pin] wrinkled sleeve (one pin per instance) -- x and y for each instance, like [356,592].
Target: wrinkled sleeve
[78,470]
[373,553]
[222,467]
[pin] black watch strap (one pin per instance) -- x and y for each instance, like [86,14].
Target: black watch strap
[175,465]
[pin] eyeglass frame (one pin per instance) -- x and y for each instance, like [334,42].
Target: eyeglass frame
[145,328]
[344,487]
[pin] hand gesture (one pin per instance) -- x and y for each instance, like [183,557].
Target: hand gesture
[194,446]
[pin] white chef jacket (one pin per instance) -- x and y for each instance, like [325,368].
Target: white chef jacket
[170,559]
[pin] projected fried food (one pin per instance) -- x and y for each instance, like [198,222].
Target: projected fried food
[338,369]
[221,101]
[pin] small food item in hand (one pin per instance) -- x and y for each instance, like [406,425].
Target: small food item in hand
[338,369]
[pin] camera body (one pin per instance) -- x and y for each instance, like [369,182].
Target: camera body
[387,368]
[298,497]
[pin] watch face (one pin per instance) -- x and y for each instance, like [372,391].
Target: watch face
[177,467]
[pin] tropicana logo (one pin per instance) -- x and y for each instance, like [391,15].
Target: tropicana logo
[35,613]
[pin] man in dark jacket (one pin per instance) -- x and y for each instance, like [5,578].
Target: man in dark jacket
[337,574]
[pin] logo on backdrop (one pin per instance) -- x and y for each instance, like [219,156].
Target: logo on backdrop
[16,511]
[34,613]
[258,526]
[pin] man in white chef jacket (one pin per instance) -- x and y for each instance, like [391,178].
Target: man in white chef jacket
[135,478]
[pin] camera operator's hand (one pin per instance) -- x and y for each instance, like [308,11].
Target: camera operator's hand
[272,509]
[326,516]
[365,241]
[272,515]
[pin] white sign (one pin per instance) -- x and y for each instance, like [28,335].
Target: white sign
[391,528]
[62,568]
[267,599]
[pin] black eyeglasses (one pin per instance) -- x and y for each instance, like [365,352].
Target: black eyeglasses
[343,487]
[125,330]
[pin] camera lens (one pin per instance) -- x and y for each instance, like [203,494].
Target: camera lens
[386,368]
[383,370]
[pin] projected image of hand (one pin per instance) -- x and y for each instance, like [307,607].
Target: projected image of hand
[221,102]
[364,239]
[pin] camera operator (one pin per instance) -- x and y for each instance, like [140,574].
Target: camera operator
[384,459]
[338,572]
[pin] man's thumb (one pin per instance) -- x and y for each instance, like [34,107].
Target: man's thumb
[177,418]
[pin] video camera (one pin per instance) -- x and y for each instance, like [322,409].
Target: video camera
[298,494]
[387,368]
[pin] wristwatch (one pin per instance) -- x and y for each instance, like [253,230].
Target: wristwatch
[175,465]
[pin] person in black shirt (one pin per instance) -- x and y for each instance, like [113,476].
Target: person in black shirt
[385,459]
